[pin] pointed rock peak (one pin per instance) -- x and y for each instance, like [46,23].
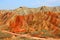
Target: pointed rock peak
[44,7]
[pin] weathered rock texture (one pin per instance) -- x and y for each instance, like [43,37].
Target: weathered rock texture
[37,22]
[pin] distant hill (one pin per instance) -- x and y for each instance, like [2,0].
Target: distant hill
[27,10]
[43,8]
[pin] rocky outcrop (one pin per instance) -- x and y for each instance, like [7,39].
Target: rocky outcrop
[38,22]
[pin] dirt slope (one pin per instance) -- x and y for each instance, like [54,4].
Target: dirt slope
[42,22]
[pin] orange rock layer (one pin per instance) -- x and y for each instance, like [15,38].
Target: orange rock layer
[36,24]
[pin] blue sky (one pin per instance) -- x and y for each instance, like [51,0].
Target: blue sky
[12,4]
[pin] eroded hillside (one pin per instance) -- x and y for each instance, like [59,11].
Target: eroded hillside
[42,22]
